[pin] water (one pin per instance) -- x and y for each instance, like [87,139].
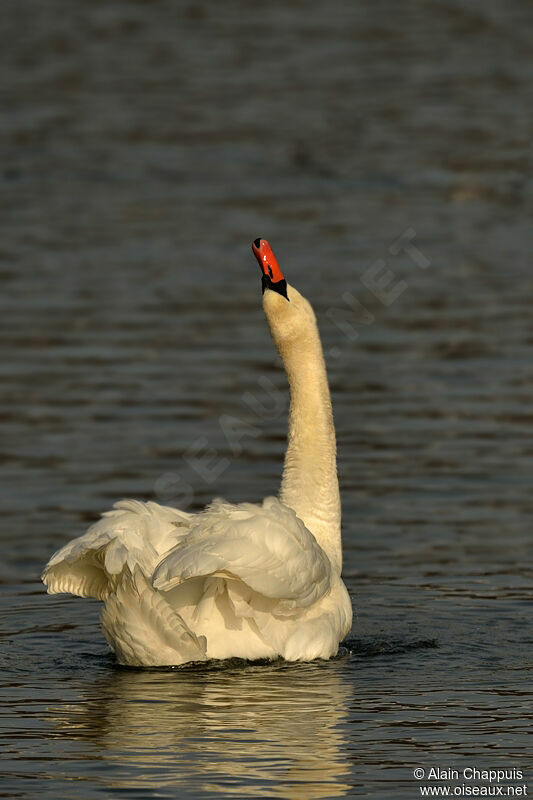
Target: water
[144,145]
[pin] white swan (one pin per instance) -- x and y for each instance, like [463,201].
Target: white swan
[249,581]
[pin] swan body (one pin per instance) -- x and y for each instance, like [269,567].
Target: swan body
[249,580]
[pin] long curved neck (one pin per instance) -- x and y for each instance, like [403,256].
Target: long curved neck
[310,485]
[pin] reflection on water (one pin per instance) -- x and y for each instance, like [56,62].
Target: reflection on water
[276,730]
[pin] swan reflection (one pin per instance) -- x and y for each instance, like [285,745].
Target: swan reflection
[276,730]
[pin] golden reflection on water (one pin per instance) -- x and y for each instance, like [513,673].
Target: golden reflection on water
[275,729]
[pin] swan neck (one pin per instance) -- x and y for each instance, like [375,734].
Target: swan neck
[310,485]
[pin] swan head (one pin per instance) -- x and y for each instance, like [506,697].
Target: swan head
[290,316]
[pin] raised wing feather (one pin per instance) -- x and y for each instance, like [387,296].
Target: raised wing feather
[133,534]
[266,546]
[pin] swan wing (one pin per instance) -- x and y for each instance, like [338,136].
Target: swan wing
[266,546]
[132,535]
[143,629]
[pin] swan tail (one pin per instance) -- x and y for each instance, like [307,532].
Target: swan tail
[143,629]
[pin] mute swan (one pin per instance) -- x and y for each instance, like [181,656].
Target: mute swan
[248,581]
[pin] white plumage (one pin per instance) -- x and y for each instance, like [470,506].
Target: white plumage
[249,581]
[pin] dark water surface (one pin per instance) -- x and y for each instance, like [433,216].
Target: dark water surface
[144,145]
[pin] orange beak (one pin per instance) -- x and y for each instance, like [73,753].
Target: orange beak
[267,260]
